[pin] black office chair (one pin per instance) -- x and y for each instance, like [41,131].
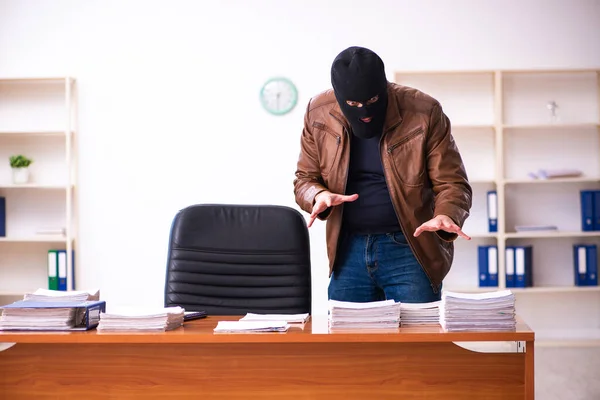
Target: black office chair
[236,259]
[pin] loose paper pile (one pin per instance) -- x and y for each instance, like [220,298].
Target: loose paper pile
[556,173]
[252,322]
[420,313]
[251,326]
[133,319]
[289,318]
[61,295]
[489,311]
[383,314]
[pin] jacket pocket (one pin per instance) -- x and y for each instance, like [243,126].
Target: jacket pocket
[407,157]
[329,147]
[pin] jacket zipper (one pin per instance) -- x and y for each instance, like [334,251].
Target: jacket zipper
[403,140]
[344,190]
[389,151]
[347,170]
[324,127]
[338,138]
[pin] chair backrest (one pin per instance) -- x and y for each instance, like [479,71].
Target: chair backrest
[235,259]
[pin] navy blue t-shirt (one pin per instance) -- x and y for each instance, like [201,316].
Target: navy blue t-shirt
[373,211]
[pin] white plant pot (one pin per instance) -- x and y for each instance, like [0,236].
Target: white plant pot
[20,175]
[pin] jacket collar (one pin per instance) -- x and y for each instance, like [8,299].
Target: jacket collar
[393,115]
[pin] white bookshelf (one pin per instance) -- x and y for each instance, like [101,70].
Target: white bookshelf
[504,130]
[38,120]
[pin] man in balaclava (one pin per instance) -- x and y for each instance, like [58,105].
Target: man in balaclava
[379,164]
[360,88]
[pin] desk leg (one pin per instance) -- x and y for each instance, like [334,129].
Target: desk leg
[530,371]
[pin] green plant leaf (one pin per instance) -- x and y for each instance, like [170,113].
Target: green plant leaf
[20,161]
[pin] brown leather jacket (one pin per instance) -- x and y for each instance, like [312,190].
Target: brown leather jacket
[422,165]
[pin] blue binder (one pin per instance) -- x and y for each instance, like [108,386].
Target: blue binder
[2,217]
[488,265]
[585,263]
[596,212]
[87,315]
[492,210]
[587,210]
[523,266]
[592,267]
[509,262]
[61,270]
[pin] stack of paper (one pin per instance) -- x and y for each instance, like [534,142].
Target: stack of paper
[61,295]
[289,318]
[251,326]
[420,313]
[489,311]
[371,315]
[58,318]
[51,315]
[142,319]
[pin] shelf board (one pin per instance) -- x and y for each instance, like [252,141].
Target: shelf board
[56,79]
[539,71]
[556,289]
[33,133]
[474,126]
[35,239]
[578,337]
[34,186]
[531,290]
[551,234]
[552,126]
[582,179]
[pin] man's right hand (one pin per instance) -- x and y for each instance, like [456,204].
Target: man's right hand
[326,199]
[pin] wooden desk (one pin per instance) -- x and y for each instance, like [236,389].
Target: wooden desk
[310,363]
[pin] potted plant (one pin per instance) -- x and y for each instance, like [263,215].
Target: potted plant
[20,168]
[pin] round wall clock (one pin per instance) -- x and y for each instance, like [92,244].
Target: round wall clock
[279,96]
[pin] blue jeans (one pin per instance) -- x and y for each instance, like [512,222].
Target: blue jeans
[379,267]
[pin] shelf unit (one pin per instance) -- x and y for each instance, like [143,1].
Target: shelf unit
[38,120]
[504,130]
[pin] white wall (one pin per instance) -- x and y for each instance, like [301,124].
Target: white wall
[168,98]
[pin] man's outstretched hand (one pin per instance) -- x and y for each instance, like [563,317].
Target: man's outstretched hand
[326,199]
[441,222]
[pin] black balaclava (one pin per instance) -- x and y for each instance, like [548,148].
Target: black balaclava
[358,74]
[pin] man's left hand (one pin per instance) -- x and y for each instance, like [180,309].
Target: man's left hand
[441,222]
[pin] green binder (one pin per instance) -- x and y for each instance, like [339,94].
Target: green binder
[52,269]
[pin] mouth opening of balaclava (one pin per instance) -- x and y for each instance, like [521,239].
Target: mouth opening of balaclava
[358,74]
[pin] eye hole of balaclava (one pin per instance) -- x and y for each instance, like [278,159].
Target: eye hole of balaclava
[360,87]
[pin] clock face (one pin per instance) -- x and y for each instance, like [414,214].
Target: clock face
[278,96]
